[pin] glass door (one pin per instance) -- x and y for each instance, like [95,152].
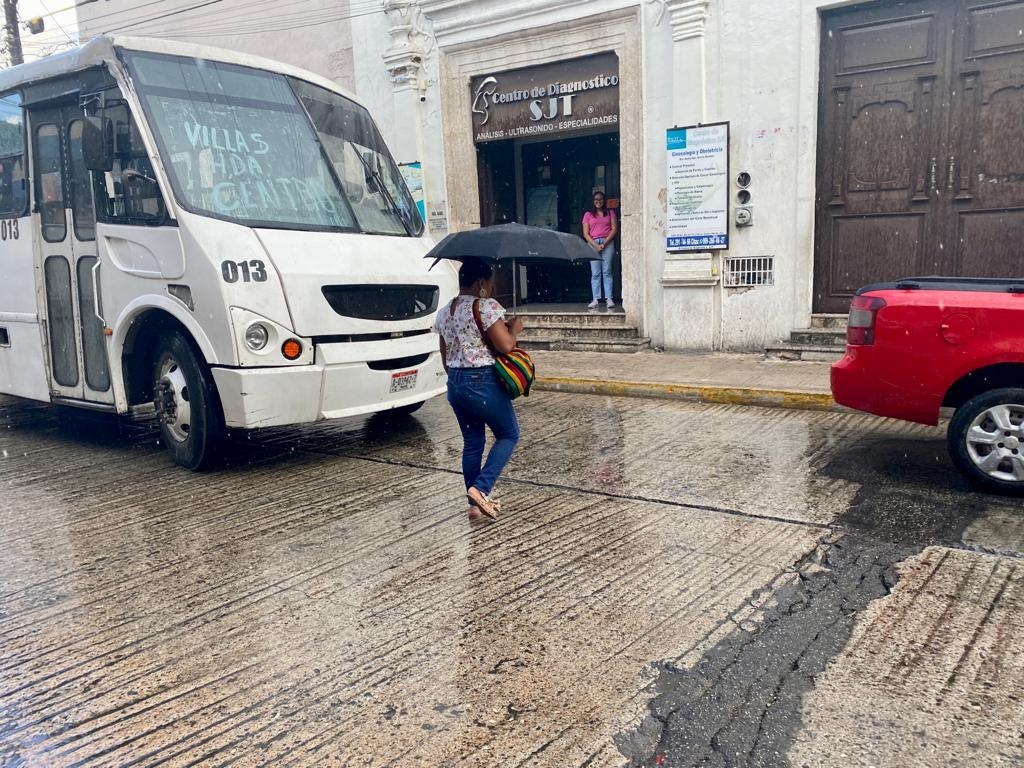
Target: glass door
[66,219]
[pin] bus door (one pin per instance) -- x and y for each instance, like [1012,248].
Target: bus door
[66,220]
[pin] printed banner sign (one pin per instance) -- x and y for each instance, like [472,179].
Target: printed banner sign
[556,98]
[698,188]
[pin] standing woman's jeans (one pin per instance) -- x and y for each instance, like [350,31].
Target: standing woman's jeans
[602,268]
[478,399]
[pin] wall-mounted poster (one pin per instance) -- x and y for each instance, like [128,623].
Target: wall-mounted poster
[413,174]
[542,207]
[698,188]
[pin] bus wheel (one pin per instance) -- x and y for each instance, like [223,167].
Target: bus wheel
[406,410]
[186,404]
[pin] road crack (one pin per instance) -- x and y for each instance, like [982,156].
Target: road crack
[739,705]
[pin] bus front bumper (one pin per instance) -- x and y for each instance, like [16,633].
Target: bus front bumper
[272,397]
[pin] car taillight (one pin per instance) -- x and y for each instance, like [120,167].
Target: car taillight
[860,329]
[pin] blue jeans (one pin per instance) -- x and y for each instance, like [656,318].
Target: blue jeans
[602,268]
[478,399]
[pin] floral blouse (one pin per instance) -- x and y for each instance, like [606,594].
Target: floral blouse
[465,347]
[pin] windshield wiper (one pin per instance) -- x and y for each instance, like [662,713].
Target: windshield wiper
[382,188]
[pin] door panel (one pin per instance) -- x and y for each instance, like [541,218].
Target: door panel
[67,222]
[956,135]
[866,245]
[880,131]
[61,321]
[985,193]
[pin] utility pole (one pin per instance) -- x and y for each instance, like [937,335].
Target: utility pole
[11,32]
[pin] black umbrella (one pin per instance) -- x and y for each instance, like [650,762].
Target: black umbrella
[515,243]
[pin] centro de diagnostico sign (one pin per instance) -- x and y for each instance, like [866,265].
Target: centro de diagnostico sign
[698,188]
[547,99]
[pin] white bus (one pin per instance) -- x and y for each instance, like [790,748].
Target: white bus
[220,235]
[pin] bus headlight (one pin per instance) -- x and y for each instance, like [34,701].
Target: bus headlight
[256,336]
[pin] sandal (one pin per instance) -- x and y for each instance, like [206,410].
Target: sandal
[479,499]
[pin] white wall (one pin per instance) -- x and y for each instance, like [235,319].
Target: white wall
[313,34]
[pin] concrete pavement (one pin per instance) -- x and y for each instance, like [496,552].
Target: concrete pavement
[714,377]
[755,587]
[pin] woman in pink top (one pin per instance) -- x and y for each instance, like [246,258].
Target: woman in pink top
[599,229]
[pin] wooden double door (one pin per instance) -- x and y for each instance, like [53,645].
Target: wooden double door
[920,144]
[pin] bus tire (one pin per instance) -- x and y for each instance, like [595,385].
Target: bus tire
[406,410]
[187,405]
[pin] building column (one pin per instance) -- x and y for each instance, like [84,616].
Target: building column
[691,317]
[404,60]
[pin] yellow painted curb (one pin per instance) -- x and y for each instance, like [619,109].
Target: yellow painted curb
[773,398]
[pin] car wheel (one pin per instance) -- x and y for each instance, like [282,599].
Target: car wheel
[986,440]
[187,406]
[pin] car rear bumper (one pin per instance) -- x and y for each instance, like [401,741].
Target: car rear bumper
[857,384]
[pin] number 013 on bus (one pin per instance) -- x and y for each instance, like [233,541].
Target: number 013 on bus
[223,236]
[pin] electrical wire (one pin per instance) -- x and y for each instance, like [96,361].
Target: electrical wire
[211,32]
[230,16]
[64,31]
[228,23]
[167,15]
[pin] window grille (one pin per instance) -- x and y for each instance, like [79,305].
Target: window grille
[745,272]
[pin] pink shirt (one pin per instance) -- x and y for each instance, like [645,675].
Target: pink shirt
[600,226]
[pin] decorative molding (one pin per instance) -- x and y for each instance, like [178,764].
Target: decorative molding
[687,18]
[662,9]
[458,21]
[411,43]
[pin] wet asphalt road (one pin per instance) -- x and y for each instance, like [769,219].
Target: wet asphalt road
[672,584]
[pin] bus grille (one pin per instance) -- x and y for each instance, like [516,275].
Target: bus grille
[382,302]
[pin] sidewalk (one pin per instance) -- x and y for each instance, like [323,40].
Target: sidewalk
[713,377]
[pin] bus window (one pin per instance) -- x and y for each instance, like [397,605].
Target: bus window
[13,189]
[373,184]
[239,144]
[83,214]
[139,200]
[50,183]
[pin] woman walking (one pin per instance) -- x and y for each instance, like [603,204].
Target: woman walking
[599,229]
[470,328]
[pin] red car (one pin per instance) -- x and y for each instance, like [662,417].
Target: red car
[924,343]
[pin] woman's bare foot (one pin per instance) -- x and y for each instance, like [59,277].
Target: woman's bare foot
[474,513]
[478,499]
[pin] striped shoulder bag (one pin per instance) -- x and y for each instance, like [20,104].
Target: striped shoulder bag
[515,369]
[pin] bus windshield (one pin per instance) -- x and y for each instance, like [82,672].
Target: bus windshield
[240,145]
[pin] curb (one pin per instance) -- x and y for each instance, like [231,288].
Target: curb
[700,393]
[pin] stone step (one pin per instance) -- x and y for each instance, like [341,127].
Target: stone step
[819,337]
[828,321]
[617,331]
[788,351]
[585,345]
[598,319]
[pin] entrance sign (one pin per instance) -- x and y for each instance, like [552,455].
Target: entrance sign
[698,188]
[549,99]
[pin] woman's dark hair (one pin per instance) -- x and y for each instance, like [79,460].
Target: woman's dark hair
[474,269]
[593,208]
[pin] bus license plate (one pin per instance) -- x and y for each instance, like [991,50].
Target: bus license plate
[403,381]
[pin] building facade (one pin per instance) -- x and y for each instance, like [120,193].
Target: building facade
[865,141]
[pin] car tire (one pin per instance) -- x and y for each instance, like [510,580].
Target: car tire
[188,408]
[986,440]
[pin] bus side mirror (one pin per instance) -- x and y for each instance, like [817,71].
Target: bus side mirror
[98,144]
